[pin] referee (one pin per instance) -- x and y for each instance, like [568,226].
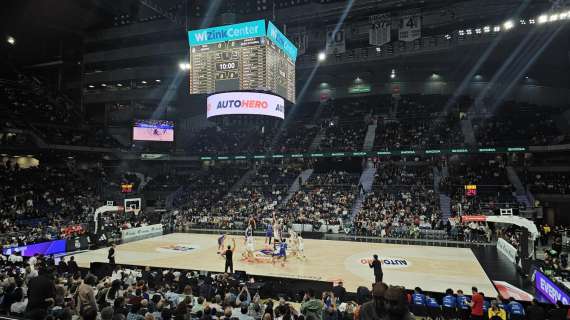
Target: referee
[377,266]
[111,255]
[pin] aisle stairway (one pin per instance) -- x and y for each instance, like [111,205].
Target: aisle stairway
[468,133]
[369,138]
[444,199]
[242,180]
[366,180]
[295,186]
[521,193]
[317,140]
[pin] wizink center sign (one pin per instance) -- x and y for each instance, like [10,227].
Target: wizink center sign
[227,33]
[245,103]
[281,41]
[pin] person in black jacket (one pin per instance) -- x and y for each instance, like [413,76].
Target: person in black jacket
[111,255]
[377,266]
[41,295]
[72,267]
[535,311]
[558,313]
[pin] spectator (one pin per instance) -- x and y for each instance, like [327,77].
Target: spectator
[374,309]
[311,307]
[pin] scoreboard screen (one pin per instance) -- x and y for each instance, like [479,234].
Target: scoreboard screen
[242,56]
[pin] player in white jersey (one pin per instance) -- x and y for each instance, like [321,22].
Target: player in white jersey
[249,249]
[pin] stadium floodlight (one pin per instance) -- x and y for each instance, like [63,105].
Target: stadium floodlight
[497,29]
[378,49]
[553,17]
[157,80]
[11,40]
[469,32]
[447,37]
[103,85]
[184,66]
[393,74]
[531,21]
[91,86]
[487,29]
[542,19]
[508,25]
[461,32]
[119,84]
[522,21]
[478,31]
[143,82]
[563,15]
[321,56]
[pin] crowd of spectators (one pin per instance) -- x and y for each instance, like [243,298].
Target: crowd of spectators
[488,174]
[533,125]
[401,203]
[36,203]
[547,182]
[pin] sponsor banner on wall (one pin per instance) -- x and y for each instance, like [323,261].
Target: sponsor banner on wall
[140,233]
[336,43]
[45,248]
[549,289]
[410,27]
[380,29]
[256,103]
[77,243]
[507,249]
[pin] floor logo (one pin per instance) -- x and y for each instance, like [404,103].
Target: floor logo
[388,262]
[178,248]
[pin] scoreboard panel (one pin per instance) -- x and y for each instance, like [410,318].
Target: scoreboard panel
[226,59]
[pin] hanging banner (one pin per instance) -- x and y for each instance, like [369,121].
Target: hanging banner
[410,27]
[380,29]
[336,43]
[301,40]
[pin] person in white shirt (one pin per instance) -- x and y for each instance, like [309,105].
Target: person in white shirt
[15,257]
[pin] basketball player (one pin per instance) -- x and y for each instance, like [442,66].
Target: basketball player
[111,255]
[229,254]
[280,253]
[249,249]
[300,247]
[221,240]
[277,230]
[268,233]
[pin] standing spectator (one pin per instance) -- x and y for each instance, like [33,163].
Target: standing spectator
[311,307]
[558,313]
[339,291]
[72,266]
[476,304]
[41,295]
[86,294]
[535,311]
[374,309]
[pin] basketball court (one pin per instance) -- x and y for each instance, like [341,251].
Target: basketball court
[431,268]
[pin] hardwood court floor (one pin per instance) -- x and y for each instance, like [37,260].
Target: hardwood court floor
[431,268]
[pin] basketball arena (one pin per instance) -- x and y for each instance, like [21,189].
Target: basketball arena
[284,159]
